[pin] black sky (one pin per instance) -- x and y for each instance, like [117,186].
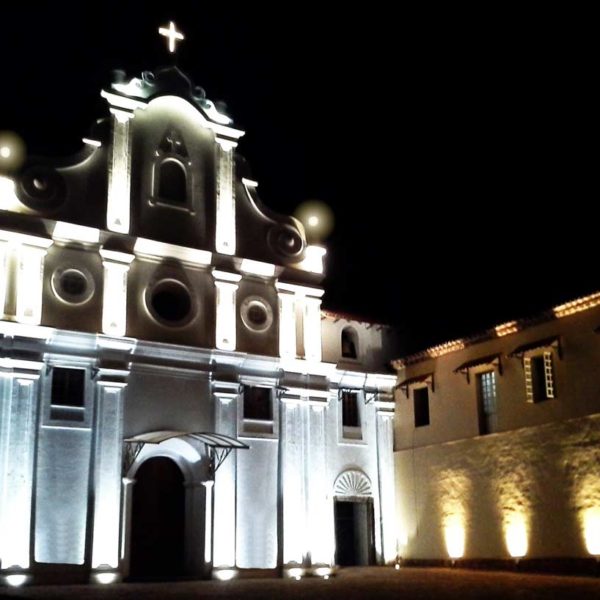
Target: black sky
[457,150]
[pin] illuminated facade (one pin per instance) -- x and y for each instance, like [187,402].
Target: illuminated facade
[497,442]
[163,343]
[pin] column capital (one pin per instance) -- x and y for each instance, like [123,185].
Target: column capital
[122,116]
[114,257]
[27,369]
[225,277]
[299,290]
[227,145]
[225,391]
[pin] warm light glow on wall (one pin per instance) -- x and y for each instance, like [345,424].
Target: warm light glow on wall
[114,309]
[225,237]
[119,176]
[446,348]
[512,488]
[515,535]
[454,489]
[591,530]
[506,328]
[583,466]
[575,306]
[402,539]
[454,537]
[313,259]
[226,309]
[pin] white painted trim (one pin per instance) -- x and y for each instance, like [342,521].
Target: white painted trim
[226,276]
[256,267]
[300,290]
[116,257]
[152,249]
[77,233]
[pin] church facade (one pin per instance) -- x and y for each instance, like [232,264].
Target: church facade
[173,399]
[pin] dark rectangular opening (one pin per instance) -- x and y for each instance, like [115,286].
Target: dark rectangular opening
[538,378]
[354,533]
[258,405]
[421,403]
[486,399]
[350,416]
[68,387]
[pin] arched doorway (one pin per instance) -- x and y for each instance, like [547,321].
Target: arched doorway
[158,519]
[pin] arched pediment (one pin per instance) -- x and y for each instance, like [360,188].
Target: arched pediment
[352,483]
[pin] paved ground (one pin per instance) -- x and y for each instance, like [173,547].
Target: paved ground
[350,584]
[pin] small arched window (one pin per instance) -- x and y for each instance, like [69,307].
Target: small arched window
[349,343]
[172,187]
[172,172]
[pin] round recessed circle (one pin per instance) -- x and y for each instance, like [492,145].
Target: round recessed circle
[170,302]
[286,241]
[256,313]
[41,188]
[73,285]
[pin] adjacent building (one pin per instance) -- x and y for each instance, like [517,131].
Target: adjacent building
[497,441]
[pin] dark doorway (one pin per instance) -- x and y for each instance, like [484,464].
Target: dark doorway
[354,533]
[158,515]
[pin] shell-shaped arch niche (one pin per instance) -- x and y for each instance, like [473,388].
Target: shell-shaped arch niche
[352,483]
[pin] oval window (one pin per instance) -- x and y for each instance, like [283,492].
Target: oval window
[170,302]
[257,315]
[73,285]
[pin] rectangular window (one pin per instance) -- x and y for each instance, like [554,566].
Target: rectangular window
[350,416]
[258,405]
[421,403]
[68,387]
[67,394]
[539,377]
[486,387]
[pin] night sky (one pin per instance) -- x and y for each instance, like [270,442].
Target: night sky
[457,151]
